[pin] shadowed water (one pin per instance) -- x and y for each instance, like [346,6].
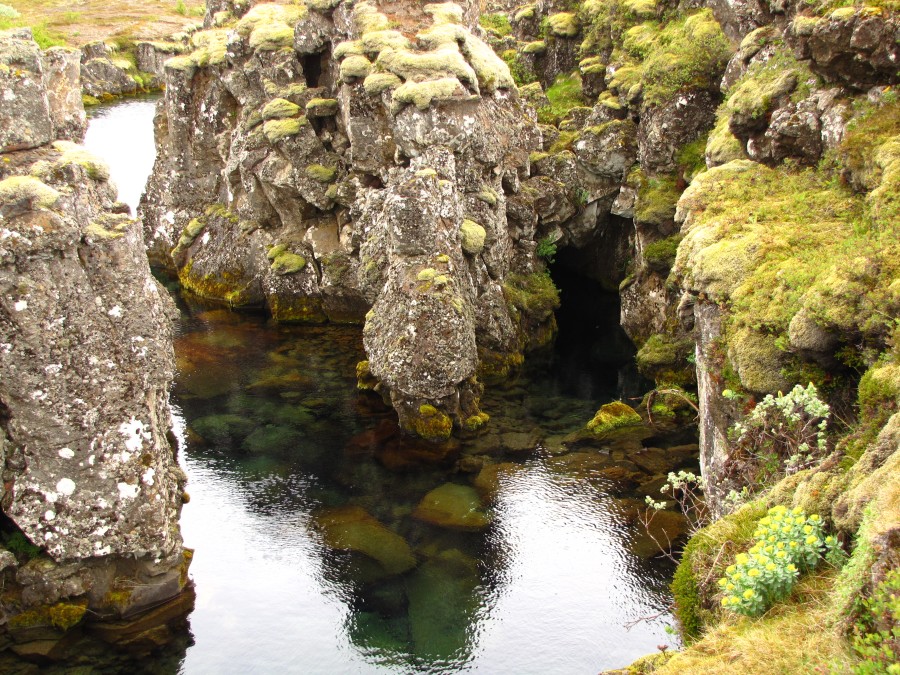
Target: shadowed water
[326,542]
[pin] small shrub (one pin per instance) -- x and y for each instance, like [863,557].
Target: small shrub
[20,546]
[876,635]
[783,433]
[181,8]
[787,543]
[495,23]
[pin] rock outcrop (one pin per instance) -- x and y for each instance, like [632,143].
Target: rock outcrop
[328,167]
[91,490]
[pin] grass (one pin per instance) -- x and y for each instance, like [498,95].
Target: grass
[794,636]
[564,94]
[56,22]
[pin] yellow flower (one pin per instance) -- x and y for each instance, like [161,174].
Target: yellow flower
[748,593]
[753,572]
[811,539]
[730,569]
[722,582]
[797,510]
[829,539]
[729,587]
[780,544]
[785,529]
[807,529]
[771,567]
[793,544]
[815,518]
[791,567]
[780,555]
[765,521]
[770,549]
[737,576]
[772,537]
[725,601]
[742,558]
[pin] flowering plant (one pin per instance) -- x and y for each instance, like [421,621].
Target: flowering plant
[787,543]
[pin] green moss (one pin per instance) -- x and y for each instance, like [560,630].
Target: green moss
[440,65]
[87,100]
[660,255]
[423,94]
[656,200]
[664,358]
[564,94]
[348,48]
[520,69]
[270,27]
[472,236]
[27,188]
[495,23]
[355,67]
[879,390]
[525,14]
[535,47]
[322,107]
[765,82]
[278,130]
[279,108]
[322,5]
[496,366]
[297,309]
[376,83]
[287,263]
[320,173]
[476,421]
[488,196]
[533,294]
[613,416]
[108,228]
[722,146]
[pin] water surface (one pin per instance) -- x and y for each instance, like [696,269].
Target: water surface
[312,554]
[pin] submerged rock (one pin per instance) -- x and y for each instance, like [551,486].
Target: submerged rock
[457,507]
[351,528]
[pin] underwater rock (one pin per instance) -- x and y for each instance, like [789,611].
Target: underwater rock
[351,528]
[457,507]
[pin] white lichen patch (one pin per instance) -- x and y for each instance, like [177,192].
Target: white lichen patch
[66,453]
[147,478]
[115,312]
[135,434]
[21,305]
[65,486]
[127,491]
[49,515]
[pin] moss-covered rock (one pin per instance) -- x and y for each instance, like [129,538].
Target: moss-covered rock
[279,108]
[279,130]
[351,528]
[614,416]
[27,189]
[563,24]
[664,358]
[453,506]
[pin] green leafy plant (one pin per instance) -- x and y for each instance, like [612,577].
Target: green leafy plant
[181,8]
[787,544]
[546,249]
[19,545]
[876,635]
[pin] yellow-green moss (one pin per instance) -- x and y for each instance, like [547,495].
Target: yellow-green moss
[320,173]
[354,67]
[664,358]
[535,47]
[87,100]
[753,96]
[22,188]
[472,236]
[613,416]
[62,615]
[279,108]
[322,5]
[441,65]
[286,262]
[277,130]
[322,107]
[563,24]
[524,14]
[297,309]
[722,146]
[656,200]
[430,424]
[498,24]
[73,153]
[377,83]
[423,94]
[488,196]
[476,421]
[270,27]
[495,366]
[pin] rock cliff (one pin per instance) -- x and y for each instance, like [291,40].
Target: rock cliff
[91,490]
[356,164]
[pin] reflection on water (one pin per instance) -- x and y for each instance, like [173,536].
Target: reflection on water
[326,542]
[122,134]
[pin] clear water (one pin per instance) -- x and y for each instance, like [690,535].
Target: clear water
[287,463]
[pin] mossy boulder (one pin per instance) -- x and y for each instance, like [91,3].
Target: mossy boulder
[281,129]
[322,107]
[563,24]
[429,423]
[279,108]
[612,417]
[664,358]
[29,190]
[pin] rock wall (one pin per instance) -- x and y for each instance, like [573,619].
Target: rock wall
[89,473]
[360,164]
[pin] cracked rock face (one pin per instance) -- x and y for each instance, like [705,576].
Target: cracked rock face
[86,360]
[322,164]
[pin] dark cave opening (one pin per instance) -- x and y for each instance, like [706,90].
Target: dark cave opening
[592,352]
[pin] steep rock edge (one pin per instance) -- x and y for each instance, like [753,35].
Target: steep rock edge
[777,267]
[325,166]
[89,473]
